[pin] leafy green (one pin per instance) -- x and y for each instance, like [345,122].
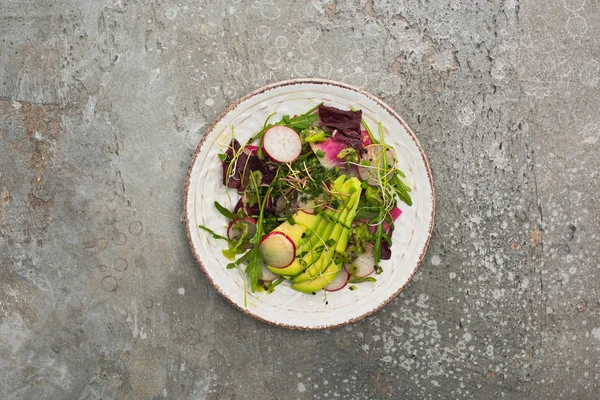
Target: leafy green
[239,245]
[313,134]
[378,237]
[214,235]
[253,256]
[225,212]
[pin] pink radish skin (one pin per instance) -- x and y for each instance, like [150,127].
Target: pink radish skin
[365,263]
[234,234]
[331,149]
[282,144]
[268,276]
[253,149]
[366,139]
[395,213]
[339,282]
[277,249]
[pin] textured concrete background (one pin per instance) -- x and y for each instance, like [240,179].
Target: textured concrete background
[103,102]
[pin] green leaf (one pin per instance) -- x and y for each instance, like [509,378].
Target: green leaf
[302,122]
[225,212]
[214,235]
[254,268]
[386,238]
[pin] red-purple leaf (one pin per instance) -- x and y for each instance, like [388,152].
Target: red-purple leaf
[245,163]
[346,126]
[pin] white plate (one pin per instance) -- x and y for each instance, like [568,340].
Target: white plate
[286,307]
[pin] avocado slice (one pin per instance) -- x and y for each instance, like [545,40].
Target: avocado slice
[339,234]
[310,247]
[318,283]
[302,222]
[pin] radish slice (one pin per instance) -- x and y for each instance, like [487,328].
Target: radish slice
[307,206]
[395,213]
[364,265]
[339,282]
[284,207]
[330,150]
[234,230]
[282,143]
[277,249]
[369,172]
[268,276]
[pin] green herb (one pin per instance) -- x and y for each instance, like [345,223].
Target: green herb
[222,156]
[330,242]
[252,192]
[291,221]
[239,245]
[214,235]
[373,140]
[303,121]
[313,134]
[225,212]
[253,256]
[352,287]
[269,287]
[320,153]
[378,237]
[358,279]
[348,154]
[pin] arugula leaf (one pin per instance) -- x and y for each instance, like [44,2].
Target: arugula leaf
[302,121]
[225,212]
[254,268]
[214,235]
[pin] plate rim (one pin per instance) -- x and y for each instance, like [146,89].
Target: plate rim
[289,82]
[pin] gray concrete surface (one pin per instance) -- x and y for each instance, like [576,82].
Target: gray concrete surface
[103,102]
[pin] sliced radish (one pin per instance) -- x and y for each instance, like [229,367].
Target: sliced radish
[329,150]
[308,206]
[284,207]
[364,265]
[234,230]
[395,213]
[339,282]
[353,171]
[277,249]
[282,144]
[373,156]
[268,276]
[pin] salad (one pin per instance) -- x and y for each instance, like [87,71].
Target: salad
[318,197]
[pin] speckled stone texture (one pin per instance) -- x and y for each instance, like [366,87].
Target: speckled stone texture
[103,102]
